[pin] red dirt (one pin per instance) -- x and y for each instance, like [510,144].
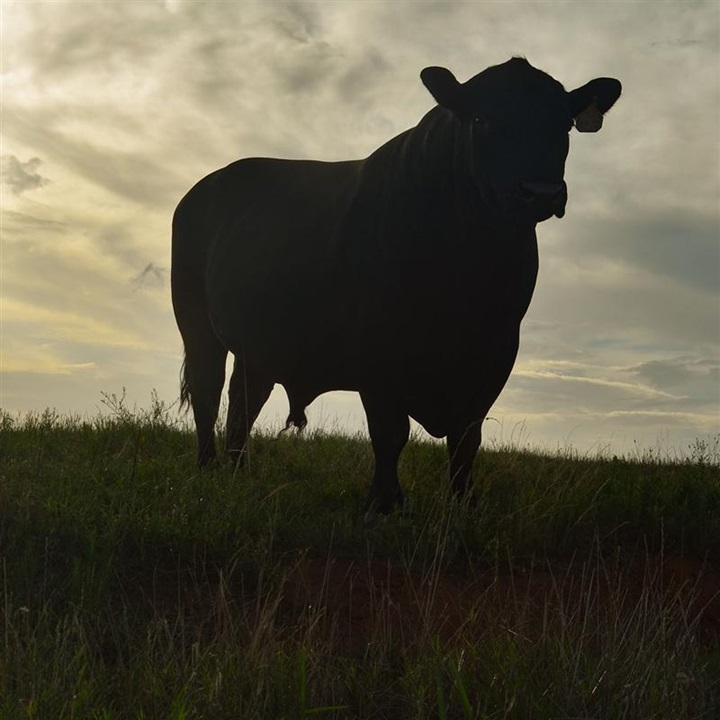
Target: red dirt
[366,601]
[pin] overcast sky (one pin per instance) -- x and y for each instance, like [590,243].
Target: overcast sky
[112,110]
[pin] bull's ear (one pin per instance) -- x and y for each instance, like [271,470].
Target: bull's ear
[590,102]
[443,86]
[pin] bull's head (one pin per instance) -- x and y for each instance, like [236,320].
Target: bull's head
[518,119]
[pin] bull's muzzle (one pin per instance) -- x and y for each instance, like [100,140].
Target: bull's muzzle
[543,199]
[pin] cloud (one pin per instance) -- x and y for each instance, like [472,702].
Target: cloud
[28,356]
[697,378]
[21,176]
[173,6]
[150,276]
[678,244]
[67,325]
[677,42]
[299,22]
[25,226]
[100,158]
[603,384]
[131,103]
[636,283]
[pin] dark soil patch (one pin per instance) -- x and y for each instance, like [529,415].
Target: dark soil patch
[364,602]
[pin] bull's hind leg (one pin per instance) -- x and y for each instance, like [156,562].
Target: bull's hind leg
[249,390]
[389,429]
[205,376]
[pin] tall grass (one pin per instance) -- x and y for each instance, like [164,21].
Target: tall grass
[136,587]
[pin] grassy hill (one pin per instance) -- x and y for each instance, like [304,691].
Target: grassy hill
[136,587]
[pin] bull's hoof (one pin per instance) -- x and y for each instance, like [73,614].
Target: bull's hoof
[371,519]
[210,462]
[376,511]
[235,458]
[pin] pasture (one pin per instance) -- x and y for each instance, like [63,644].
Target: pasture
[136,587]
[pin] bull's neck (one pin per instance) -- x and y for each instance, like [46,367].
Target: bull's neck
[424,166]
[427,185]
[416,194]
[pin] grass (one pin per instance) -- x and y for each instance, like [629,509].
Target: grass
[136,587]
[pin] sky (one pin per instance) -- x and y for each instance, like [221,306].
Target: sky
[111,111]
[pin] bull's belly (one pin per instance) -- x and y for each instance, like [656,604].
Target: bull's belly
[308,357]
[462,389]
[439,380]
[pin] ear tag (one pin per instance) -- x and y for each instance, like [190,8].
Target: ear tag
[590,119]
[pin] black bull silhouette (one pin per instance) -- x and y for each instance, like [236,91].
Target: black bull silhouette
[403,276]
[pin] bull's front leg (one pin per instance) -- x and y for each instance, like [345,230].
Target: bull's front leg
[389,428]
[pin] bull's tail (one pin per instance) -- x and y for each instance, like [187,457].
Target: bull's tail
[184,386]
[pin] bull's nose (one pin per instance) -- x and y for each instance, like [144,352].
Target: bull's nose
[544,197]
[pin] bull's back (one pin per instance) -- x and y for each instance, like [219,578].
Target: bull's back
[263,243]
[263,198]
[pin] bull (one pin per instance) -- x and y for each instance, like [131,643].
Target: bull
[403,276]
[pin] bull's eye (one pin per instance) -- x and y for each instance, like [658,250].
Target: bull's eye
[480,122]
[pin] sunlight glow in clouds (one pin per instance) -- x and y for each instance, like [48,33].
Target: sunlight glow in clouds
[112,110]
